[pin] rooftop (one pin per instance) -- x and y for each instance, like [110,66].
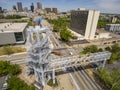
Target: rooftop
[12,27]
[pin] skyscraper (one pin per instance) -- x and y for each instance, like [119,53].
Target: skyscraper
[19,5]
[48,10]
[84,22]
[54,10]
[39,5]
[14,7]
[0,9]
[32,7]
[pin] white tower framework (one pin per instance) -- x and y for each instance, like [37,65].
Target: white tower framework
[41,63]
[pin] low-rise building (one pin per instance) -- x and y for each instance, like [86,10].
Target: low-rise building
[12,33]
[113,27]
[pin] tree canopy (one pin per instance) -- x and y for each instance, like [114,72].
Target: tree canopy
[91,49]
[65,35]
[109,78]
[15,83]
[59,23]
[7,68]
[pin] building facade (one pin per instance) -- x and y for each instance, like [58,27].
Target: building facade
[19,5]
[113,27]
[54,10]
[39,5]
[48,10]
[0,9]
[84,22]
[12,33]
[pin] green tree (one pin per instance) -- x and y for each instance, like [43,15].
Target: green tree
[65,35]
[4,67]
[90,49]
[55,28]
[15,83]
[15,69]
[115,48]
[100,50]
[7,68]
[107,48]
[109,78]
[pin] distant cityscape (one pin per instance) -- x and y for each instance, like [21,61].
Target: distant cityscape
[19,8]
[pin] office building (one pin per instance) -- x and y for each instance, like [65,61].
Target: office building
[39,5]
[113,27]
[54,10]
[19,5]
[14,7]
[113,19]
[0,9]
[12,33]
[48,10]
[84,22]
[32,7]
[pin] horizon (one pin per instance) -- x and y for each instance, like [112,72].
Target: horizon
[105,6]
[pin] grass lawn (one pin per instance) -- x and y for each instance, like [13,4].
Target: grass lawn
[7,50]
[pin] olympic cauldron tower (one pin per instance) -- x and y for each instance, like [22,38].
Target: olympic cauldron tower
[39,53]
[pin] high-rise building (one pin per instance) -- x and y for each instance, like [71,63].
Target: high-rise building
[0,9]
[14,7]
[54,10]
[39,5]
[48,10]
[84,22]
[19,5]
[32,7]
[113,19]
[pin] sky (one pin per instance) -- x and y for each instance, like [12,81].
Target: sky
[105,6]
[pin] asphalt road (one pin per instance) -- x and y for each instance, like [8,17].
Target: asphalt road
[81,78]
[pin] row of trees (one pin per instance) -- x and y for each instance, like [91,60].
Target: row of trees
[102,23]
[59,23]
[91,49]
[114,49]
[11,16]
[111,80]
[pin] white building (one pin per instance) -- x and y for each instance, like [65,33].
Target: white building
[84,22]
[112,27]
[12,33]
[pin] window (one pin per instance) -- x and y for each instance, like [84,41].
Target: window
[18,36]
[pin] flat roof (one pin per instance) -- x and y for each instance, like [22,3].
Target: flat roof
[12,27]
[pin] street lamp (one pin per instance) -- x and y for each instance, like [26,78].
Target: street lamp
[115,82]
